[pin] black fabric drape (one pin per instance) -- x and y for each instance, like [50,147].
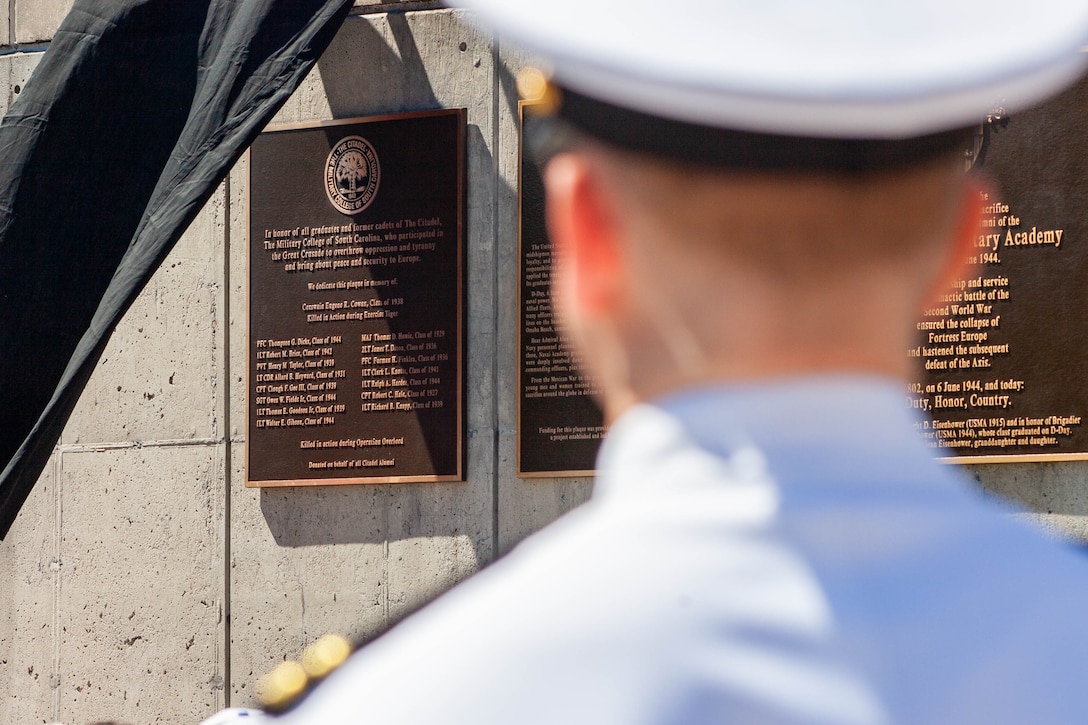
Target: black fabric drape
[135,114]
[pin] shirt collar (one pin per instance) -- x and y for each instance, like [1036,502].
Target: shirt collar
[839,428]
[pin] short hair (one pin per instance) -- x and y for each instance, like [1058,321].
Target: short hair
[801,226]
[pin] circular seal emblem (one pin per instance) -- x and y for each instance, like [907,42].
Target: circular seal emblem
[352,174]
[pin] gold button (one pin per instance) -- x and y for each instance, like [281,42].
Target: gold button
[536,88]
[282,686]
[325,655]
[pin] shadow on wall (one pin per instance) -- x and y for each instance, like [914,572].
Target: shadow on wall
[374,66]
[371,514]
[364,75]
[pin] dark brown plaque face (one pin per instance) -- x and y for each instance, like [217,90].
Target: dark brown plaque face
[1005,353]
[355,301]
[559,426]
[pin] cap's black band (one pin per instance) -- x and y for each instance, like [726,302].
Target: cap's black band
[728,148]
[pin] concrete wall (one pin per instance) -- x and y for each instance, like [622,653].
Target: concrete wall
[142,581]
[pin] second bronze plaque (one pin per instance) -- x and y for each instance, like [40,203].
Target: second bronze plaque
[559,426]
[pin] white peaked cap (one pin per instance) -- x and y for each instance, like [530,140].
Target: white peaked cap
[879,69]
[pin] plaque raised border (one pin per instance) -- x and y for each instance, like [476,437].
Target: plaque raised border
[428,144]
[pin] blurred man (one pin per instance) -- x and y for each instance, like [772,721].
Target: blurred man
[750,204]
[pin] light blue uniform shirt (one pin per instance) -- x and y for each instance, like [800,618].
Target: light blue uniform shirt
[779,553]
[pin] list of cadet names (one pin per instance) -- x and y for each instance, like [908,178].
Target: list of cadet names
[362,358]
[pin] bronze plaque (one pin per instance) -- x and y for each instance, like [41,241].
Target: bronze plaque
[559,426]
[355,301]
[1005,353]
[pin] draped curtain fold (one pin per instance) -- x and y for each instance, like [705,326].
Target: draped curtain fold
[135,114]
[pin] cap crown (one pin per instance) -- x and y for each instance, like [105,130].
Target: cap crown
[834,68]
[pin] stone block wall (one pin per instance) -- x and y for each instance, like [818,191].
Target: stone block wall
[143,581]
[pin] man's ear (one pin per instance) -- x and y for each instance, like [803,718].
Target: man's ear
[583,228]
[956,264]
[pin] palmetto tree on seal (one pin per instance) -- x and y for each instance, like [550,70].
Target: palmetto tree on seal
[351,171]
